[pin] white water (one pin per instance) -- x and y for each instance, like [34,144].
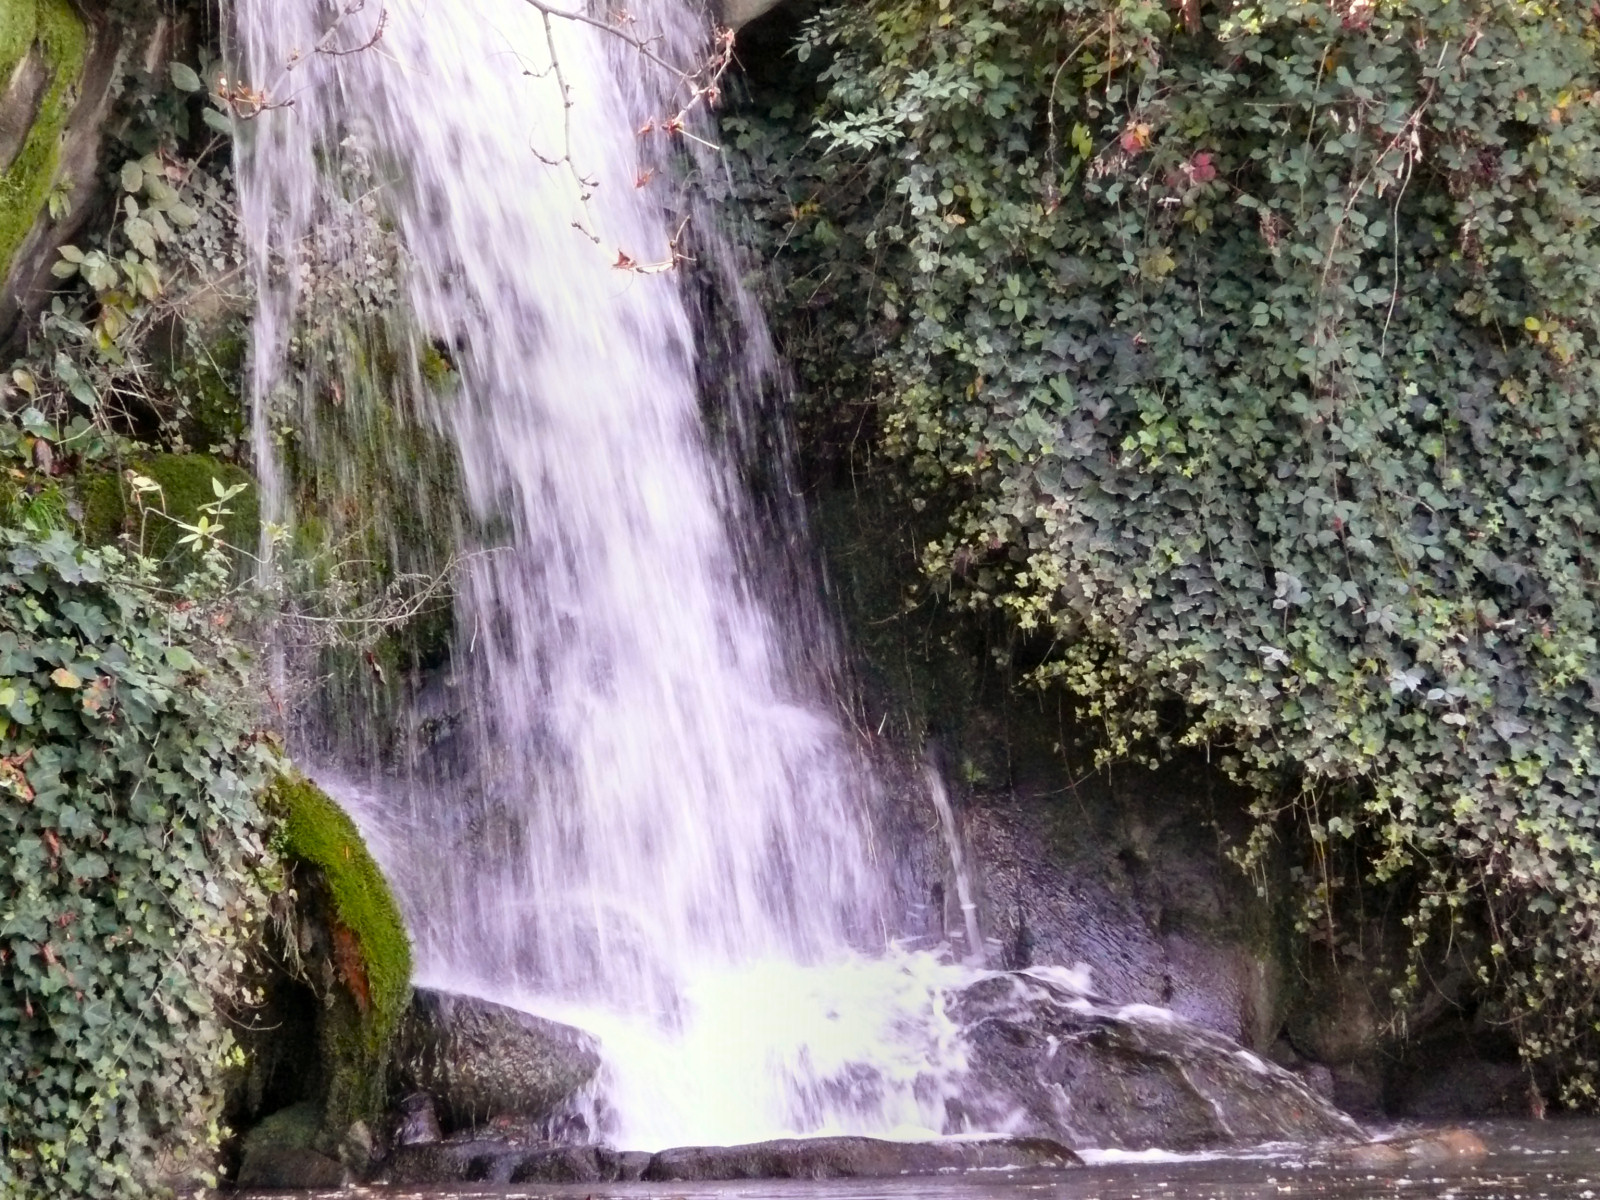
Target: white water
[666,840]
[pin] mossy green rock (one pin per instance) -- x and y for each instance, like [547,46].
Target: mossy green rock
[361,941]
[112,508]
[54,31]
[279,1153]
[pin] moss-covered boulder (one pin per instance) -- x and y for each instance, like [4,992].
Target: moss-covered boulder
[278,1153]
[346,943]
[43,45]
[365,961]
[113,507]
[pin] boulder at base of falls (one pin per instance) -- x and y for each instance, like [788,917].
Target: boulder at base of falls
[279,1153]
[507,1160]
[1049,1061]
[482,1061]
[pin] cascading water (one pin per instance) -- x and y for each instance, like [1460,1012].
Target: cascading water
[639,813]
[666,841]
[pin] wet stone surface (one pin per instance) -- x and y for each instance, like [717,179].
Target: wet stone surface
[511,1161]
[1046,1060]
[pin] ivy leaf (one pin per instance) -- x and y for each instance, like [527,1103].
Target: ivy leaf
[64,678]
[184,77]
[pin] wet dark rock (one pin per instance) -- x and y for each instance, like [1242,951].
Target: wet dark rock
[581,1164]
[516,1161]
[1129,881]
[278,1153]
[505,1160]
[737,13]
[1052,1062]
[1462,1085]
[481,1061]
[470,1160]
[358,1149]
[284,1169]
[852,1158]
[416,1121]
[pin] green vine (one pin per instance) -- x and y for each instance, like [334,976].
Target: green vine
[129,842]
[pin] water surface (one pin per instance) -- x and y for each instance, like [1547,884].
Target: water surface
[1554,1160]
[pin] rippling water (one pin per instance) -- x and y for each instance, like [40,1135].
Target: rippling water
[1554,1160]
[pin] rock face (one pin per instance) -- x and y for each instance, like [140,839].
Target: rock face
[62,86]
[483,1061]
[736,13]
[508,1161]
[1120,869]
[1049,1061]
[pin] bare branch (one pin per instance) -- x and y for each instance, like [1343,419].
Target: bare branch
[616,31]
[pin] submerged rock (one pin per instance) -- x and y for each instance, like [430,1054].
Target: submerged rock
[853,1158]
[483,1061]
[1435,1147]
[1047,1060]
[507,1161]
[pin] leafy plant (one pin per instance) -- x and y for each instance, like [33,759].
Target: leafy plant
[142,347]
[1251,351]
[129,767]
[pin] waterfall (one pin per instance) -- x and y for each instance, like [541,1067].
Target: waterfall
[665,834]
[966,893]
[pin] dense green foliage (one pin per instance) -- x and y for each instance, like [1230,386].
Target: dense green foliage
[130,750]
[129,844]
[1251,350]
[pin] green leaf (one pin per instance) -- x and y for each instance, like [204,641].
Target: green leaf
[184,78]
[219,121]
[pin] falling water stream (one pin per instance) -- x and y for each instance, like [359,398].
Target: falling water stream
[648,818]
[668,842]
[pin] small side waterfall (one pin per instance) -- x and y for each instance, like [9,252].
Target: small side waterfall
[966,894]
[666,838]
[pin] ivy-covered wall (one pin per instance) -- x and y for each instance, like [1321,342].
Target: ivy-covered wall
[130,860]
[1245,357]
